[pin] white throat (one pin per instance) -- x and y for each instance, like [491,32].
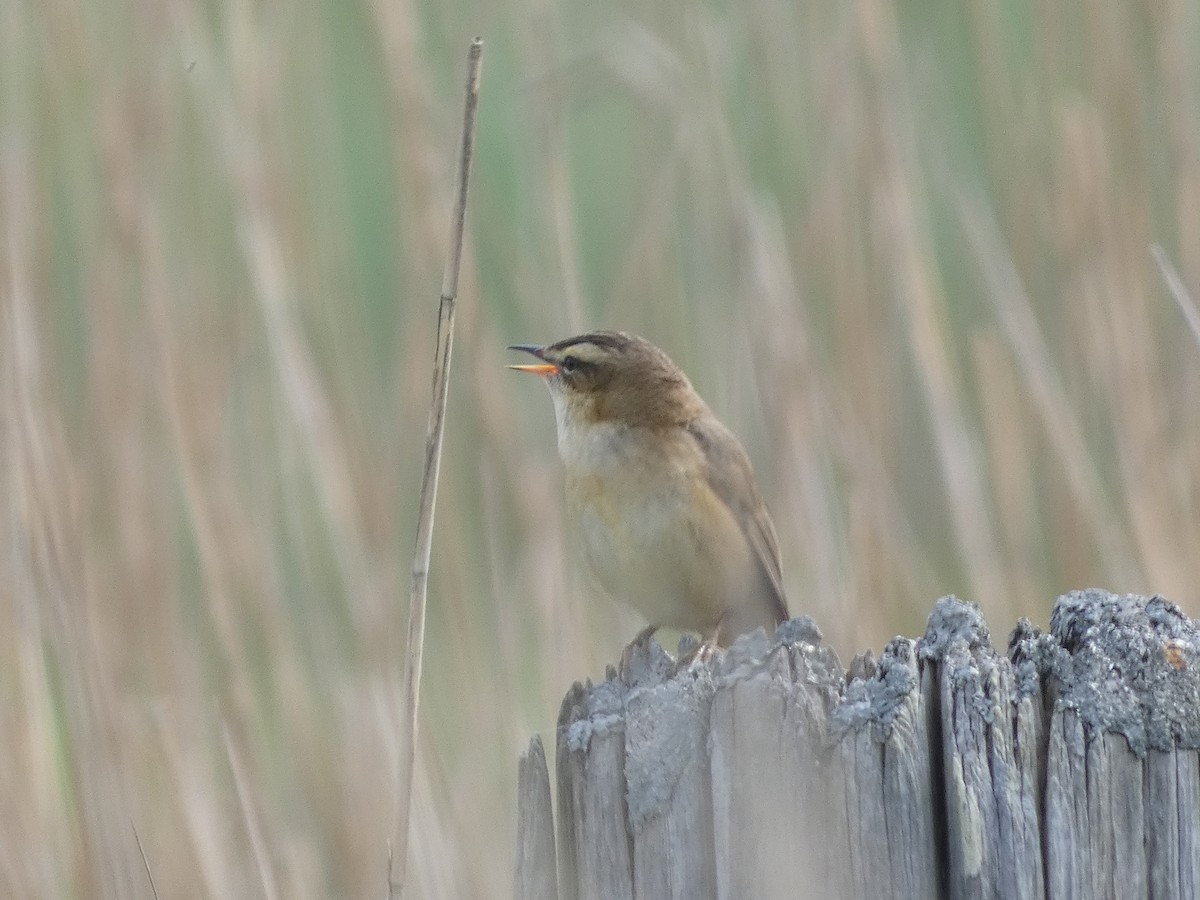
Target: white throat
[584,446]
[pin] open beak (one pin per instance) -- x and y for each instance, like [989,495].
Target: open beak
[544,369]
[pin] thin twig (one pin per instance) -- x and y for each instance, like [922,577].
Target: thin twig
[398,849]
[145,861]
[1175,284]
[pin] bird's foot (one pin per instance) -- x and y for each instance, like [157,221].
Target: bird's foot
[702,652]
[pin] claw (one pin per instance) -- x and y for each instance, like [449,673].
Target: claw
[639,643]
[703,651]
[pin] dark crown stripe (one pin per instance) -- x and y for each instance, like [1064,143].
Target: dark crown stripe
[605,340]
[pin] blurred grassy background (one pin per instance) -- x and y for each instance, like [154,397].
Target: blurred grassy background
[902,248]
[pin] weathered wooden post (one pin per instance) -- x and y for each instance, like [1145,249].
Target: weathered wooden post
[1068,767]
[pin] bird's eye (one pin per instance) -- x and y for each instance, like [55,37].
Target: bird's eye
[569,365]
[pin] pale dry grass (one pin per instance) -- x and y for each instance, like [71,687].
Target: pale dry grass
[904,253]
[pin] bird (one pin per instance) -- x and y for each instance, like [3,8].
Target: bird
[661,500]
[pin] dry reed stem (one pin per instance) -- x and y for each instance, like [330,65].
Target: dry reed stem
[1064,430]
[415,643]
[1178,290]
[254,826]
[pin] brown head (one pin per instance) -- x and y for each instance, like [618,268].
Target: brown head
[611,376]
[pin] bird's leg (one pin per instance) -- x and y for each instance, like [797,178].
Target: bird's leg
[639,642]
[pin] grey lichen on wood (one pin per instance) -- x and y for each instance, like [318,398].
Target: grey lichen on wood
[1066,767]
[594,842]
[1125,674]
[992,834]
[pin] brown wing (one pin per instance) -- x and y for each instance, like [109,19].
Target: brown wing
[732,479]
